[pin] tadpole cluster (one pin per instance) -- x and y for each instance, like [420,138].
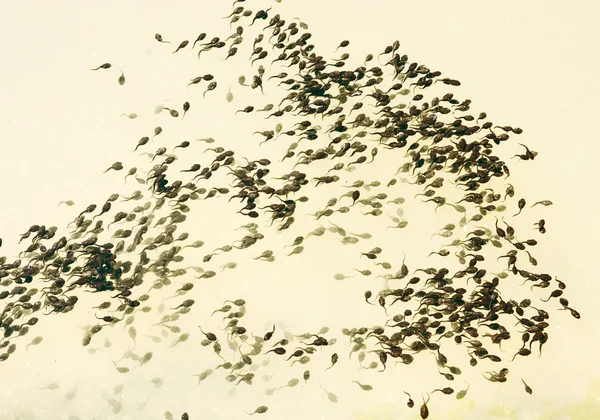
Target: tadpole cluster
[335,119]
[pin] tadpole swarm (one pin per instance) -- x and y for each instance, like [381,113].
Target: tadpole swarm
[334,118]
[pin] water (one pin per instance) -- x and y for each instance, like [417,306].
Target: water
[63,127]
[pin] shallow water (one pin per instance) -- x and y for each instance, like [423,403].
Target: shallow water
[62,126]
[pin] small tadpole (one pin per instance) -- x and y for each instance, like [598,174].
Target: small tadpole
[121,79]
[424,411]
[260,410]
[410,402]
[521,205]
[69,203]
[334,359]
[545,203]
[343,44]
[117,166]
[186,108]
[159,38]
[103,67]
[527,387]
[199,39]
[182,45]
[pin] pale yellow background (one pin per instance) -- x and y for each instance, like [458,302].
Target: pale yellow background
[531,64]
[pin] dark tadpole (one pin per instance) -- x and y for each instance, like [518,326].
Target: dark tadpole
[521,205]
[103,66]
[209,336]
[343,44]
[159,38]
[527,387]
[410,402]
[334,359]
[541,226]
[199,39]
[268,335]
[424,411]
[186,108]
[278,350]
[182,45]
[142,142]
[117,166]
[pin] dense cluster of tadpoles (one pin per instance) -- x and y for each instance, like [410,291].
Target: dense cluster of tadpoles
[345,117]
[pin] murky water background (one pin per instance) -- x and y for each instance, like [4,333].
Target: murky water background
[527,65]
